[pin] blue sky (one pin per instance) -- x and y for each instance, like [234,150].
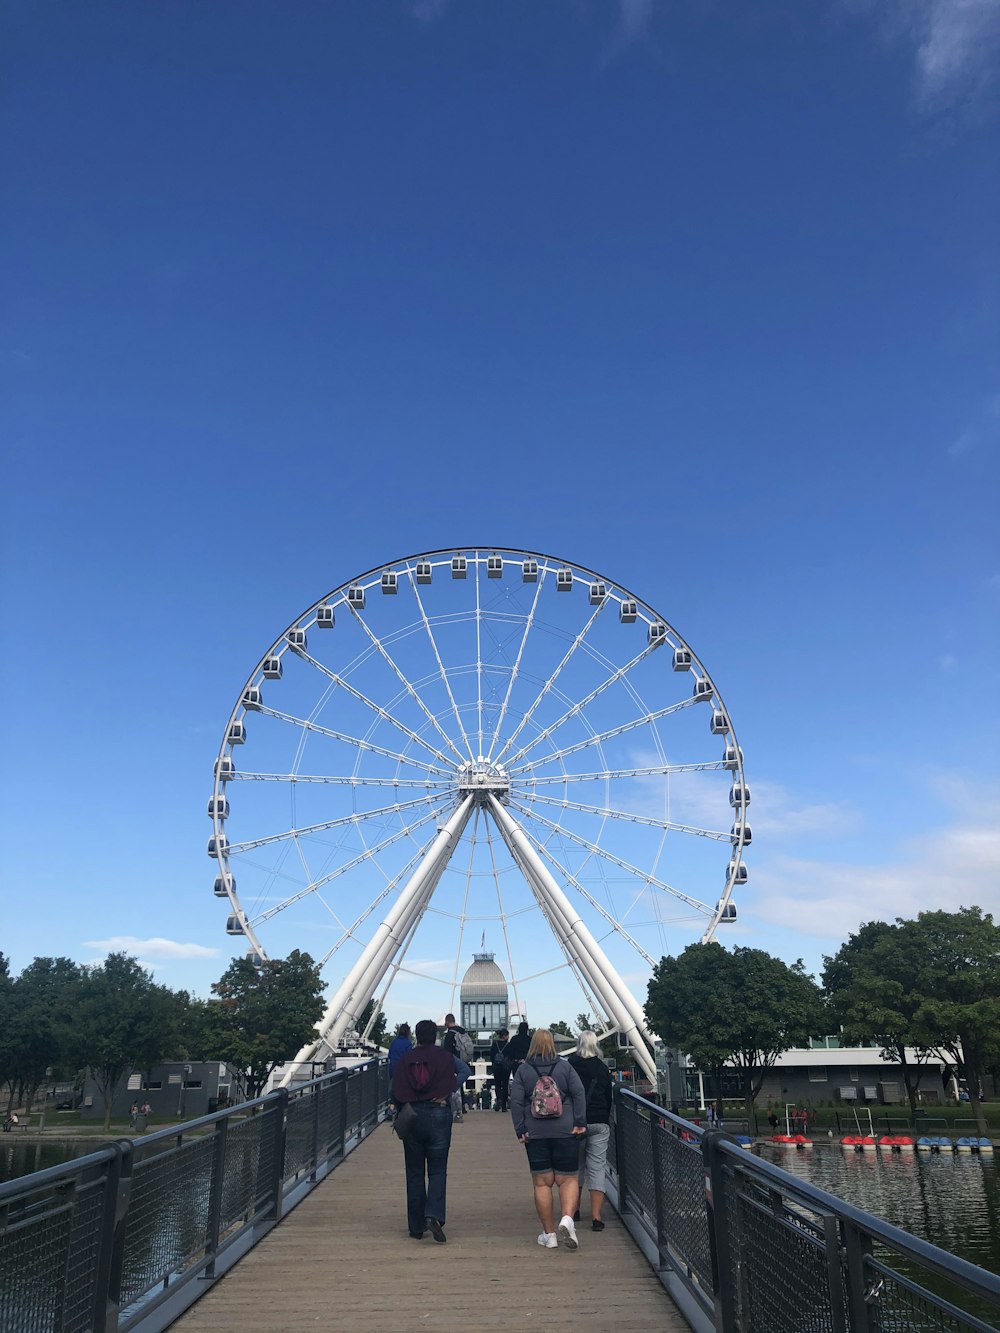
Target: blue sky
[702,296]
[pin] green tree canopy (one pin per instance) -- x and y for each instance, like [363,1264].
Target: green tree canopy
[265,1014]
[869,986]
[122,1021]
[957,987]
[741,1008]
[561,1028]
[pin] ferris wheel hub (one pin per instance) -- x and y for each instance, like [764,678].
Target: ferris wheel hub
[483,780]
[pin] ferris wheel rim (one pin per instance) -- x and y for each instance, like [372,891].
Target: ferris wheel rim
[478,554]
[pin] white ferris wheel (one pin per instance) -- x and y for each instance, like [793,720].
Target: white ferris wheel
[470,742]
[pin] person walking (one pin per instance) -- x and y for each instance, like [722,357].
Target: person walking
[424,1078]
[517,1047]
[400,1044]
[597,1085]
[459,1043]
[548,1107]
[500,1060]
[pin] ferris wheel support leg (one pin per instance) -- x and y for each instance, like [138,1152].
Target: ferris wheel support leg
[593,962]
[361,981]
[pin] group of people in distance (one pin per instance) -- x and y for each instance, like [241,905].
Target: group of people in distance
[556,1106]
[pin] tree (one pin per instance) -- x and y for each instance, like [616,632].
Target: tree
[266,1012]
[869,986]
[379,1034]
[957,985]
[561,1029]
[123,1021]
[741,1009]
[41,1021]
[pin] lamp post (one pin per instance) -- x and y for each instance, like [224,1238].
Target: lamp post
[180,1096]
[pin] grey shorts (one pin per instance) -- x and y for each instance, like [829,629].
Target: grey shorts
[595,1158]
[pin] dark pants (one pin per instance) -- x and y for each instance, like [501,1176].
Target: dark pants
[425,1150]
[502,1090]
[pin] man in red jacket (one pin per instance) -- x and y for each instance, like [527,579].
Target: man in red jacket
[425,1078]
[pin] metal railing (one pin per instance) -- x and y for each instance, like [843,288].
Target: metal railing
[744,1247]
[123,1239]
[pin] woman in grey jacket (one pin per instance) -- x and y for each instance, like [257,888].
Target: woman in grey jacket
[551,1141]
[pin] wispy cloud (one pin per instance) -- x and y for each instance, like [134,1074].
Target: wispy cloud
[155,948]
[954,43]
[943,869]
[984,430]
[634,18]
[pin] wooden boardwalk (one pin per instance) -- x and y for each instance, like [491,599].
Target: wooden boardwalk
[343,1259]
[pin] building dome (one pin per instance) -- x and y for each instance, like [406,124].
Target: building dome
[484,980]
[484,997]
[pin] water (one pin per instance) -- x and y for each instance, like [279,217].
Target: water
[21,1158]
[952,1201]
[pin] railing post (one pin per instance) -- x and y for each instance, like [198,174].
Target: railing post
[317,1093]
[275,1190]
[109,1207]
[215,1198]
[654,1152]
[619,1100]
[717,1207]
[864,1312]
[123,1195]
[343,1117]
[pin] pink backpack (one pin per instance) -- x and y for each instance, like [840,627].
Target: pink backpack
[546,1099]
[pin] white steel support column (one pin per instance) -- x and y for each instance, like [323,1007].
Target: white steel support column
[363,979]
[619,1002]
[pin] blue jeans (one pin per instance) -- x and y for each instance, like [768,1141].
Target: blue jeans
[425,1150]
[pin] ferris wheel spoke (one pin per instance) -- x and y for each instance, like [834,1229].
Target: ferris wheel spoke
[368,855]
[607,812]
[641,875]
[383,713]
[503,916]
[551,680]
[609,774]
[465,907]
[306,725]
[440,665]
[407,684]
[515,669]
[342,779]
[599,737]
[356,817]
[479,665]
[351,932]
[612,921]
[581,704]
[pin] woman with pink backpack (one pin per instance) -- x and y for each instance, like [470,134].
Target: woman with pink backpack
[549,1109]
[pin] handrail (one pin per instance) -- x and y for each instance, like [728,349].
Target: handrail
[743,1244]
[83,1248]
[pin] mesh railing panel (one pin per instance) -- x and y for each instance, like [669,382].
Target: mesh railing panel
[331,1120]
[778,1263]
[48,1260]
[684,1223]
[240,1175]
[300,1124]
[353,1102]
[168,1214]
[639,1180]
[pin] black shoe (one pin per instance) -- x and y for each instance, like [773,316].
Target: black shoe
[597,1225]
[436,1230]
[576,1216]
[416,1235]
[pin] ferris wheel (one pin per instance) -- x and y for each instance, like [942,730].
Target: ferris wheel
[473,743]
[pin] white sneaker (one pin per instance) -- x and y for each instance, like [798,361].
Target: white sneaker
[567,1233]
[549,1240]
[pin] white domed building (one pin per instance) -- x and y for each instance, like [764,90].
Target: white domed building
[483,999]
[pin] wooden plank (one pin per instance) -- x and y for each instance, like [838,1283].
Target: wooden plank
[343,1259]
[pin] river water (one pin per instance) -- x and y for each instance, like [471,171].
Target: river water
[952,1200]
[20,1157]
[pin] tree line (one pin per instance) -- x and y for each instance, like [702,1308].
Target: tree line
[60,1020]
[927,988]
